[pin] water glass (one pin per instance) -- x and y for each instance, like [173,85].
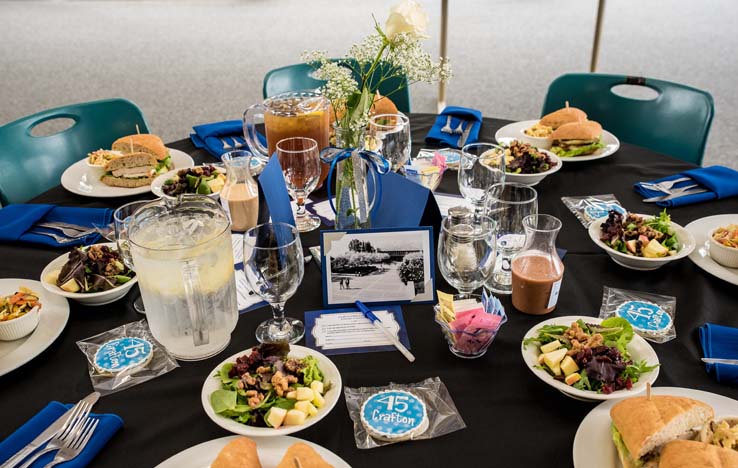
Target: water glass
[120,216]
[274,266]
[300,161]
[391,135]
[508,204]
[466,252]
[481,165]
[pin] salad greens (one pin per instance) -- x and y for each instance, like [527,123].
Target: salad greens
[638,236]
[93,269]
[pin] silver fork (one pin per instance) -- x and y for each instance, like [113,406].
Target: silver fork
[226,146]
[73,448]
[237,144]
[664,186]
[460,129]
[447,128]
[69,232]
[66,434]
[56,237]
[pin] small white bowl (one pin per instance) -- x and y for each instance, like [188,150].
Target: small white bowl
[90,299]
[534,179]
[642,263]
[19,327]
[539,142]
[726,256]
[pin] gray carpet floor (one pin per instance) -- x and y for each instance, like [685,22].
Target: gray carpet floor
[185,62]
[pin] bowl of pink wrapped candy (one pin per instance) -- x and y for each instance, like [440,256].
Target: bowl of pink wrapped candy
[469,323]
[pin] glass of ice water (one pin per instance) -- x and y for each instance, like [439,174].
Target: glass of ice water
[481,165]
[466,252]
[508,204]
[391,135]
[274,266]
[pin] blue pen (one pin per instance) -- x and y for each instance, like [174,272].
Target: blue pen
[378,325]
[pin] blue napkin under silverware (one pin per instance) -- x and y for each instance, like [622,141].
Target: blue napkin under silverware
[106,428]
[208,136]
[720,182]
[17,220]
[720,342]
[473,117]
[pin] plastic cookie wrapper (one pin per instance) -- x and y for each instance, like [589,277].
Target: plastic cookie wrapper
[426,408]
[651,315]
[591,207]
[124,357]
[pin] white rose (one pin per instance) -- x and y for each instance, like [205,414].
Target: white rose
[407,17]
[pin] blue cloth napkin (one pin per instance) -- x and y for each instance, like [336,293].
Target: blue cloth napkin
[721,182]
[208,136]
[106,428]
[17,220]
[437,137]
[720,342]
[275,192]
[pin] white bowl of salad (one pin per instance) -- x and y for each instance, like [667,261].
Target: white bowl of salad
[272,389]
[589,358]
[94,275]
[641,242]
[526,164]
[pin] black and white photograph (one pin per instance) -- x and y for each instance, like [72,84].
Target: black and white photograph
[377,266]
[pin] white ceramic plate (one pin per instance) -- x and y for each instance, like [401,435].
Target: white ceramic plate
[638,348]
[159,181]
[701,254]
[593,444]
[330,374]
[612,144]
[642,263]
[90,299]
[52,320]
[271,450]
[530,179]
[84,180]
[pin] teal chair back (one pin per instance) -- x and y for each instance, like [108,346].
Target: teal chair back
[676,122]
[31,165]
[297,77]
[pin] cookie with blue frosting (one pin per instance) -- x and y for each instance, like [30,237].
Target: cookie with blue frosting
[120,354]
[394,415]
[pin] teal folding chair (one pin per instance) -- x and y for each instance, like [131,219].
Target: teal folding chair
[299,76]
[31,165]
[677,122]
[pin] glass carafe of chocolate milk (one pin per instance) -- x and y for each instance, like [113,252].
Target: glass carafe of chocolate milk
[537,270]
[240,194]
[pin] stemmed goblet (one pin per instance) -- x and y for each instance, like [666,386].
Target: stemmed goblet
[481,165]
[466,252]
[300,161]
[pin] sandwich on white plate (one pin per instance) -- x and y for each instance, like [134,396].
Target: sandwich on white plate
[146,143]
[642,427]
[693,454]
[579,138]
[143,157]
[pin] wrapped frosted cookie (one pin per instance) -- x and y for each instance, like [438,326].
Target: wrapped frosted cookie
[401,412]
[651,315]
[125,356]
[592,207]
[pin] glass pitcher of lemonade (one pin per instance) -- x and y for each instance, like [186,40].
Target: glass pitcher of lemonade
[183,257]
[293,114]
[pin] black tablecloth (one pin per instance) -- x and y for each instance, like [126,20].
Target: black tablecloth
[513,419]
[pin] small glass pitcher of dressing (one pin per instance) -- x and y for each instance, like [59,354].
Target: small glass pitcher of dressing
[240,194]
[537,270]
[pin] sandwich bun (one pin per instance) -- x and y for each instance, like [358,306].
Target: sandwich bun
[238,453]
[584,130]
[142,142]
[563,116]
[139,159]
[693,454]
[646,424]
[305,454]
[126,182]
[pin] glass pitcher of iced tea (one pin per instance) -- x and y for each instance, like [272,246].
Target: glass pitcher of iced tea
[293,114]
[183,257]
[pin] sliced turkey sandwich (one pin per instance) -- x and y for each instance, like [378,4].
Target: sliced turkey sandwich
[146,143]
[130,170]
[577,138]
[641,426]
[563,116]
[693,454]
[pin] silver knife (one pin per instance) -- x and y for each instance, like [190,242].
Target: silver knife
[465,135]
[47,434]
[720,361]
[675,195]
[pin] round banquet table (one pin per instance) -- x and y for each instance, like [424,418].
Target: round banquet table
[513,419]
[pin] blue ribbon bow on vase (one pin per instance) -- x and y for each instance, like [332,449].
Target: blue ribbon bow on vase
[352,187]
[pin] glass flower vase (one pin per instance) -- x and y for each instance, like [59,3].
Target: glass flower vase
[353,205]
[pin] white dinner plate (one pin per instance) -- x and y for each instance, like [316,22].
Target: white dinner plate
[330,375]
[612,144]
[52,320]
[271,450]
[638,348]
[593,444]
[84,180]
[701,254]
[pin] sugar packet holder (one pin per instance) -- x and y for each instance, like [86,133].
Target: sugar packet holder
[652,316]
[401,412]
[124,357]
[591,207]
[471,331]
